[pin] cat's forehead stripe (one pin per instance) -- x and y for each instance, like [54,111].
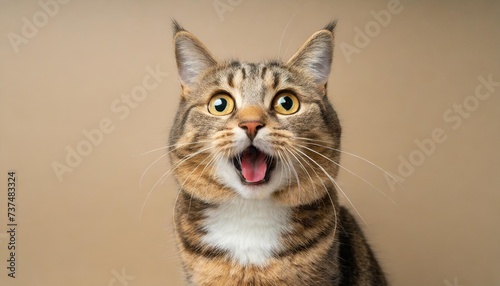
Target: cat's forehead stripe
[230,77]
[276,79]
[254,80]
[244,73]
[253,69]
[263,72]
[234,64]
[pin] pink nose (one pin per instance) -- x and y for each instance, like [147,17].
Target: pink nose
[251,127]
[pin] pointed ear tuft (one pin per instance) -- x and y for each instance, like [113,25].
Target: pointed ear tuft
[331,26]
[315,56]
[192,57]
[176,28]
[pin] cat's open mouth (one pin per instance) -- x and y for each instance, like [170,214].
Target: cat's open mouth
[254,166]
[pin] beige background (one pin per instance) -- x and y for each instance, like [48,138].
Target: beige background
[442,226]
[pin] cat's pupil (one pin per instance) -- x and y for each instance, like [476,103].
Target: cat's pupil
[286,102]
[220,104]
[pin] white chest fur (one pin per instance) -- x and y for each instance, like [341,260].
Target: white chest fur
[248,229]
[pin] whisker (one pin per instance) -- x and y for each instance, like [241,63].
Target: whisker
[353,155]
[351,172]
[213,157]
[192,171]
[334,182]
[284,166]
[289,44]
[179,191]
[312,168]
[184,159]
[292,168]
[305,171]
[281,159]
[296,175]
[169,146]
[327,192]
[284,32]
[149,167]
[214,162]
[162,148]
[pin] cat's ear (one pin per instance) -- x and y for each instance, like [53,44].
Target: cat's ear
[192,57]
[315,55]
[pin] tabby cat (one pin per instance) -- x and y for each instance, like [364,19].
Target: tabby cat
[255,150]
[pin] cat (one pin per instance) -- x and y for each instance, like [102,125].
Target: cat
[255,149]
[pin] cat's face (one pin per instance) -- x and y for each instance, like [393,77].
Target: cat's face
[255,130]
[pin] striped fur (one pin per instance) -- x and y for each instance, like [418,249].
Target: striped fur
[288,228]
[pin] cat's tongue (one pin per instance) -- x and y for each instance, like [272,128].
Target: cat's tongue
[253,165]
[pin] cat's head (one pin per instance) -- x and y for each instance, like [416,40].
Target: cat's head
[255,130]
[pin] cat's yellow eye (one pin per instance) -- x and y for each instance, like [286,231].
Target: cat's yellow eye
[221,104]
[286,103]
